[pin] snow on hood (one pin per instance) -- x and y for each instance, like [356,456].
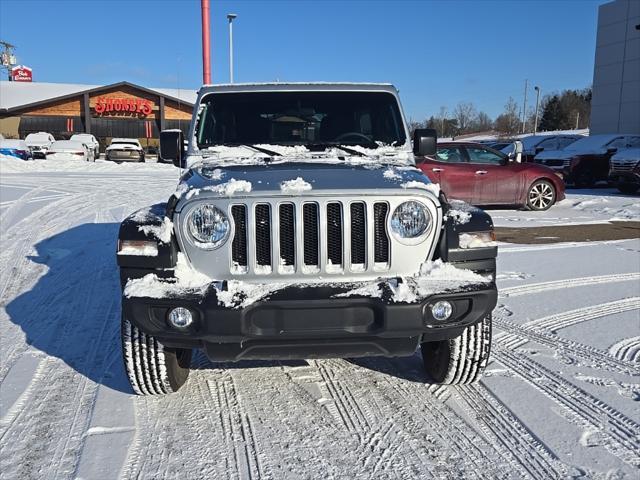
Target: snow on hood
[298,178]
[627,154]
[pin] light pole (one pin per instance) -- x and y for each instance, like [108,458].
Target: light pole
[535,124]
[231,16]
[524,106]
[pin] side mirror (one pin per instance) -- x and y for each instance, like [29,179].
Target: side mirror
[612,150]
[172,147]
[539,149]
[424,141]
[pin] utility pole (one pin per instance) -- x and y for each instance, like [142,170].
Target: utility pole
[7,57]
[206,42]
[524,106]
[577,120]
[231,16]
[535,124]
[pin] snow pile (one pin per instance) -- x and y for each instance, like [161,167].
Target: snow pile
[295,186]
[431,187]
[241,294]
[181,189]
[391,174]
[467,240]
[610,208]
[434,277]
[148,250]
[226,189]
[187,280]
[162,232]
[212,173]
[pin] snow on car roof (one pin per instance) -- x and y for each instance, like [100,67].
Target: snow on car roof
[124,140]
[287,86]
[16,94]
[593,142]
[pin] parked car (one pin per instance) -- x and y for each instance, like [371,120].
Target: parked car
[482,176]
[303,254]
[586,161]
[90,141]
[15,148]
[534,144]
[624,172]
[39,143]
[69,150]
[125,150]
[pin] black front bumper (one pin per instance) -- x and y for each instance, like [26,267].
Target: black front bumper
[309,322]
[624,178]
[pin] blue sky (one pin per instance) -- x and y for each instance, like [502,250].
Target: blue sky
[437,53]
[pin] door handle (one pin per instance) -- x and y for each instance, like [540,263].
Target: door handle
[437,169]
[481,172]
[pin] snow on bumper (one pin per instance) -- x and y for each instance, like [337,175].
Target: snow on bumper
[232,320]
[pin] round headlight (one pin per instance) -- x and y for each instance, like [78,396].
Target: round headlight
[209,226]
[410,220]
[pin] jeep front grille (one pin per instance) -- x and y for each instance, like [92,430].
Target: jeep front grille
[310,237]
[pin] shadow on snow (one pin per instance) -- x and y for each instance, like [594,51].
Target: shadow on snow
[73,312]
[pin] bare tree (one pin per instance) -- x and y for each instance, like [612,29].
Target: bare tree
[483,122]
[464,113]
[508,122]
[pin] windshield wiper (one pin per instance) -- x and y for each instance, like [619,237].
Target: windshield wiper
[350,151]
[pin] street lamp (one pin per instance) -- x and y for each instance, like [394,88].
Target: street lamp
[231,16]
[535,124]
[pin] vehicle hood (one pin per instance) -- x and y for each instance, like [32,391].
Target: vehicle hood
[38,143]
[296,179]
[555,155]
[627,154]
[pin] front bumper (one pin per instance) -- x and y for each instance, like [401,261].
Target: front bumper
[624,178]
[310,322]
[124,156]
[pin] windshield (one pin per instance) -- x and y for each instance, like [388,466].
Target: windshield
[300,118]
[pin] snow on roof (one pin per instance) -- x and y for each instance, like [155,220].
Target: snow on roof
[286,86]
[16,94]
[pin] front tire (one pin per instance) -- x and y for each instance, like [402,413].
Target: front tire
[628,189]
[152,368]
[541,195]
[460,360]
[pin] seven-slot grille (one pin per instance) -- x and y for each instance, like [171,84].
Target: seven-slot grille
[311,237]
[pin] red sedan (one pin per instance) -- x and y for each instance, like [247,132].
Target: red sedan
[482,176]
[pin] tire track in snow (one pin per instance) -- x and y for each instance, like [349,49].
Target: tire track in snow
[525,333]
[622,434]
[567,283]
[510,436]
[627,350]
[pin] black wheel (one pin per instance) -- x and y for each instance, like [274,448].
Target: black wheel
[460,360]
[541,195]
[628,189]
[152,368]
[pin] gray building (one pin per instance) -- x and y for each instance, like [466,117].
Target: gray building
[615,107]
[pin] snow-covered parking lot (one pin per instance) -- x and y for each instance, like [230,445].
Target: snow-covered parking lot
[559,399]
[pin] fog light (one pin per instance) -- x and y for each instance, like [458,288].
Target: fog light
[441,310]
[180,317]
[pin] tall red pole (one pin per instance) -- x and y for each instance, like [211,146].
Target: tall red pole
[206,44]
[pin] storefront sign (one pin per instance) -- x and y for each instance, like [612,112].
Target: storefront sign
[20,73]
[112,106]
